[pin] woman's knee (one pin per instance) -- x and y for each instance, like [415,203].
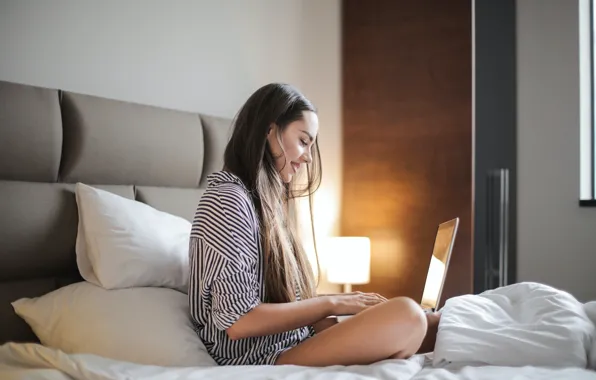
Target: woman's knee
[407,311]
[411,325]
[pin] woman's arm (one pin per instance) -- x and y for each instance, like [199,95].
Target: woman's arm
[269,319]
[324,324]
[347,294]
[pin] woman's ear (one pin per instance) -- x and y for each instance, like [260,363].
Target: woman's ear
[271,136]
[272,127]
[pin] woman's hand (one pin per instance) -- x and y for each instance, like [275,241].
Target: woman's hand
[355,302]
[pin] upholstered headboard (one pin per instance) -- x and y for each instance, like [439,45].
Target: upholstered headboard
[51,139]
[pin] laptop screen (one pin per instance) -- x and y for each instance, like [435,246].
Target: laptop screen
[437,271]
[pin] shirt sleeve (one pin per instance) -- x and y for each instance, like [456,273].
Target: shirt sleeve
[231,258]
[234,293]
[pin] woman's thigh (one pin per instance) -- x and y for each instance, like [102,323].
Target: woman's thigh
[394,328]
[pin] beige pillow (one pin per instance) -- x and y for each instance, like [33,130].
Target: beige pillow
[139,325]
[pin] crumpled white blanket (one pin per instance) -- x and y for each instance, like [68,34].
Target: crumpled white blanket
[524,324]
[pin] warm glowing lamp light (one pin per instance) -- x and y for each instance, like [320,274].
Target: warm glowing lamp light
[348,261]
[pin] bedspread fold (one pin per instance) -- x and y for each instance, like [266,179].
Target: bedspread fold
[525,324]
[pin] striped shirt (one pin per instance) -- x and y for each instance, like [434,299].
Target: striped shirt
[226,275]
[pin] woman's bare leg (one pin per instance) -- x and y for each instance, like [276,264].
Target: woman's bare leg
[393,329]
[432,322]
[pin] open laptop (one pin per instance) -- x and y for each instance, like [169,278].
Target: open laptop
[439,264]
[437,270]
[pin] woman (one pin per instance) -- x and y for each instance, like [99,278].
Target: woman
[252,290]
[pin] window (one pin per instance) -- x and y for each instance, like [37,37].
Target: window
[587,104]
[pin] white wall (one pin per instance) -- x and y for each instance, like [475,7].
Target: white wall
[556,238]
[195,55]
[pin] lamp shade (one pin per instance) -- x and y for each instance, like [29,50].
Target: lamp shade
[348,260]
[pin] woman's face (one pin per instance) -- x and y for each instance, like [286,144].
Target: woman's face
[296,144]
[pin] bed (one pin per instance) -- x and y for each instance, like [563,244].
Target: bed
[63,152]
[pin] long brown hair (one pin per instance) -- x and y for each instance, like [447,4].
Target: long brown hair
[287,269]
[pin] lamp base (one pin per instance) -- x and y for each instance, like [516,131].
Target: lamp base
[347,288]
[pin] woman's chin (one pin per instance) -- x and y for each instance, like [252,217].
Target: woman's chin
[286,177]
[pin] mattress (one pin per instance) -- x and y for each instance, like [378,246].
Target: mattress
[33,361]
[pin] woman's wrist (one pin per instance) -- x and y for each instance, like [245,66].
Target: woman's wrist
[330,304]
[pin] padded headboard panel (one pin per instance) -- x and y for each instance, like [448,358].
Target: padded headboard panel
[51,139]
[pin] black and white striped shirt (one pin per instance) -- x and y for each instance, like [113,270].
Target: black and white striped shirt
[226,275]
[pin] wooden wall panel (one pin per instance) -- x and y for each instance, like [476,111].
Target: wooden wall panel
[407,142]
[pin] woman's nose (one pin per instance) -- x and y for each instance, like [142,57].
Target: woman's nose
[307,157]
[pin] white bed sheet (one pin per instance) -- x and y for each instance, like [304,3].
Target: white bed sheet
[33,362]
[505,373]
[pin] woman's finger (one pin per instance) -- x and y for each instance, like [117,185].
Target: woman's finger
[373,300]
[381,297]
[376,295]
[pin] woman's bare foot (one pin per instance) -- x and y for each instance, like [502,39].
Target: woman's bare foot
[428,344]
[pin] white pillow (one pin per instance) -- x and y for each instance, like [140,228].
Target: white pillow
[123,243]
[139,325]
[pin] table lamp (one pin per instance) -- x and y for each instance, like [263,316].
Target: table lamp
[348,261]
